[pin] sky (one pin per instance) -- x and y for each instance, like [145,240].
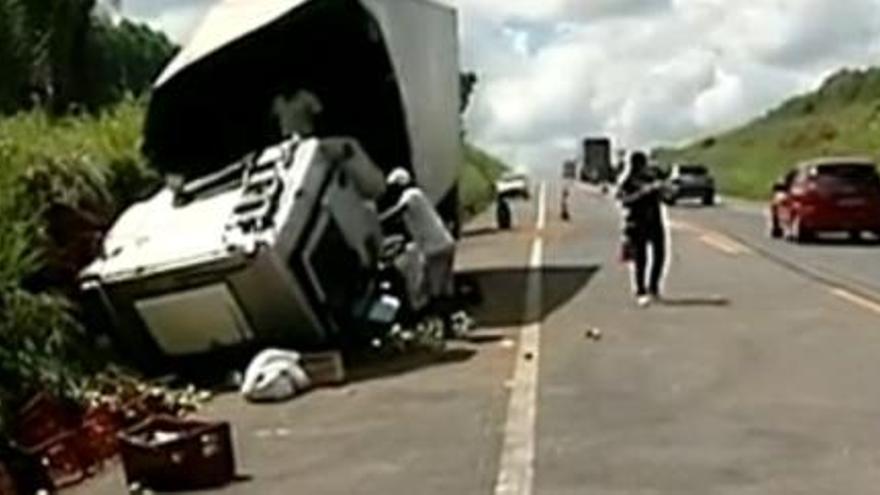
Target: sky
[645,72]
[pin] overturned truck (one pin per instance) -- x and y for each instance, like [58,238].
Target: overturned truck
[263,235]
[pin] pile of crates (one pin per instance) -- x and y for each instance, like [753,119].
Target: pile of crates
[70,444]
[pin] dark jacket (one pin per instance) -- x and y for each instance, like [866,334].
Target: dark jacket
[642,204]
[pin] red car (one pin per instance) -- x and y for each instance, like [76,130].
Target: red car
[824,195]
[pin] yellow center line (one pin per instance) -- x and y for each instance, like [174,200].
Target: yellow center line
[686,227]
[719,244]
[712,238]
[857,300]
[724,244]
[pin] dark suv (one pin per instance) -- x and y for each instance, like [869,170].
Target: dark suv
[689,182]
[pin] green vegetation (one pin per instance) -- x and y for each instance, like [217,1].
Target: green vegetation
[480,170]
[61,181]
[841,118]
[477,180]
[69,162]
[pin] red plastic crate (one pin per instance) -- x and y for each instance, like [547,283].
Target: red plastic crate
[99,435]
[7,484]
[62,459]
[42,419]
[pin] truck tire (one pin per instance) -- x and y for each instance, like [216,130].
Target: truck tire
[503,215]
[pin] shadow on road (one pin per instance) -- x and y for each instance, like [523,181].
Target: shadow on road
[692,205]
[365,369]
[497,297]
[711,301]
[479,232]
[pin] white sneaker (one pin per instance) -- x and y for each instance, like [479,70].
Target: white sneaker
[643,301]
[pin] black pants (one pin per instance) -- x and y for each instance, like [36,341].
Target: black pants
[643,240]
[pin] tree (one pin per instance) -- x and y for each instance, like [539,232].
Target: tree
[468,83]
[13,54]
[124,58]
[62,54]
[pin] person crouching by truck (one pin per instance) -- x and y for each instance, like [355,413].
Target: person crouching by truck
[413,210]
[640,192]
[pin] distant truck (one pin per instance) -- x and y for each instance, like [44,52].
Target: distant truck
[596,164]
[569,170]
[263,237]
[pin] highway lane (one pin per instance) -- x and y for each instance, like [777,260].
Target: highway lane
[752,379]
[852,264]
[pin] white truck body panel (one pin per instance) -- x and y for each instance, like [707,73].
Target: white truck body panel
[422,38]
[425,56]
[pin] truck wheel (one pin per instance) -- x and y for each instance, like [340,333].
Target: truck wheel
[503,215]
[709,200]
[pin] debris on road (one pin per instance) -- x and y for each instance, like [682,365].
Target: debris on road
[170,454]
[324,368]
[70,440]
[461,325]
[594,334]
[273,376]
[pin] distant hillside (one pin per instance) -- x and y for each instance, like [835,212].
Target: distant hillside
[840,118]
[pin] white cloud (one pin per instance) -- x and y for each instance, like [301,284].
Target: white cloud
[645,71]
[176,17]
[649,72]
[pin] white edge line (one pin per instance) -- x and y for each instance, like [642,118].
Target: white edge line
[857,300]
[541,223]
[516,471]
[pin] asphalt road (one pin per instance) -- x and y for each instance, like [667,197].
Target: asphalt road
[836,258]
[755,376]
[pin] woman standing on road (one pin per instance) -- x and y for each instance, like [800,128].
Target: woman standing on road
[639,191]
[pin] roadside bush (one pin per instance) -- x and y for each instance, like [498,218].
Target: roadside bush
[62,182]
[477,181]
